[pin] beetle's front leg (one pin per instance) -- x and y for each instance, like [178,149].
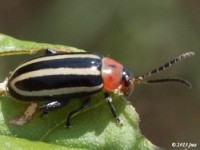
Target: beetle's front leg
[112,108]
[52,106]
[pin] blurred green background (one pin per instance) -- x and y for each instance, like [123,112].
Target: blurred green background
[139,34]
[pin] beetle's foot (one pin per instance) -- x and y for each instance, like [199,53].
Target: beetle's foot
[68,125]
[119,121]
[44,112]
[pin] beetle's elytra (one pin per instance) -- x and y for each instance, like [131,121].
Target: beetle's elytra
[56,78]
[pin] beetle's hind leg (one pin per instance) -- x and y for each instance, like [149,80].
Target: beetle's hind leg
[52,106]
[83,105]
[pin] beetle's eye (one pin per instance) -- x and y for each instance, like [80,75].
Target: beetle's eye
[127,86]
[126,77]
[127,81]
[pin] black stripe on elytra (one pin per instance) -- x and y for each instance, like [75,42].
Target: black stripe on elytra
[58,81]
[50,97]
[59,63]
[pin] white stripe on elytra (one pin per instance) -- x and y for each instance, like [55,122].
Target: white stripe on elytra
[57,71]
[53,57]
[59,91]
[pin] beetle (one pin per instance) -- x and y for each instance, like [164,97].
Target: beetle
[58,77]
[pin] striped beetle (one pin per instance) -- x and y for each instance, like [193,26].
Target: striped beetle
[59,77]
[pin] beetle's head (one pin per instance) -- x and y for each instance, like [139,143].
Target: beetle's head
[116,77]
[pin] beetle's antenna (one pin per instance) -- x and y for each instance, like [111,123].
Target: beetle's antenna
[142,78]
[173,79]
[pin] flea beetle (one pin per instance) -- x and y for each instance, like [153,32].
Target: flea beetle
[56,78]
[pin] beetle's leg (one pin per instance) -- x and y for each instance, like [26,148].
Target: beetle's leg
[52,106]
[112,108]
[50,51]
[83,105]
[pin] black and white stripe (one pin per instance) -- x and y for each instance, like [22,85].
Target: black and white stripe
[60,76]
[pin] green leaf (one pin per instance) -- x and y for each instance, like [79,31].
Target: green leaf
[92,128]
[10,46]
[12,143]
